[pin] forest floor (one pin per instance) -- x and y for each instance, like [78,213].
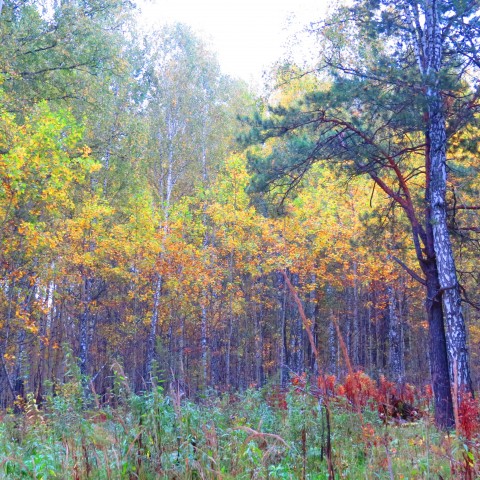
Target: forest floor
[307,432]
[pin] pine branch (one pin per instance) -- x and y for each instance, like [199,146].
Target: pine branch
[413,274]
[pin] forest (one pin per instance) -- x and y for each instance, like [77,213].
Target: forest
[199,279]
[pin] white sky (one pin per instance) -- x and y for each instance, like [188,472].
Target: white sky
[247,35]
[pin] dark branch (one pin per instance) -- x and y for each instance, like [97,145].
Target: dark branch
[413,274]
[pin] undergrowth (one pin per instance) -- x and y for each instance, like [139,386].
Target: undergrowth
[320,431]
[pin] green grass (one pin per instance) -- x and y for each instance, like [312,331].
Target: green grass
[243,436]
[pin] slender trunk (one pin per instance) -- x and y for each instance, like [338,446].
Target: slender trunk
[45,323]
[355,320]
[284,360]
[204,346]
[166,199]
[10,383]
[311,312]
[332,346]
[369,341]
[83,327]
[181,348]
[206,241]
[18,374]
[259,373]
[296,333]
[152,333]
[378,335]
[229,353]
[394,338]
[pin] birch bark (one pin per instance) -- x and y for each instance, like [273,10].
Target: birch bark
[449,289]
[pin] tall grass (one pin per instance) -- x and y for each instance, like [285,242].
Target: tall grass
[259,434]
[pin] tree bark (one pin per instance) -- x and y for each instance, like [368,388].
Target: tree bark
[152,333]
[394,338]
[438,357]
[204,344]
[355,333]
[449,289]
[284,353]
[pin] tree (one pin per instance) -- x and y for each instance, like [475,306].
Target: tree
[45,160]
[56,56]
[393,90]
[188,137]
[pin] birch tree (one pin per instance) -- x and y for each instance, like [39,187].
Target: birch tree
[188,133]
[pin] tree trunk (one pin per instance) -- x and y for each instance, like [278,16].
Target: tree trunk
[394,338]
[332,346]
[165,194]
[449,289]
[355,333]
[259,373]
[83,327]
[432,44]
[229,352]
[438,352]
[204,345]
[284,354]
[18,373]
[152,333]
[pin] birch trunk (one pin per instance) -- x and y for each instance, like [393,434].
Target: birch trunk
[449,289]
[204,345]
[332,346]
[206,241]
[166,195]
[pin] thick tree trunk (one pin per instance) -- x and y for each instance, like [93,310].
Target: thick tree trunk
[449,289]
[438,352]
[436,141]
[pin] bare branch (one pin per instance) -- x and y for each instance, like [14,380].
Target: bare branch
[413,274]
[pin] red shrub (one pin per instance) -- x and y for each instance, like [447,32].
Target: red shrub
[326,384]
[468,415]
[359,388]
[276,398]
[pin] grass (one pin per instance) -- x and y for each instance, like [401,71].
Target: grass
[258,434]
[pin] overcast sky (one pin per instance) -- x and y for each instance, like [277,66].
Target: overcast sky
[247,35]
